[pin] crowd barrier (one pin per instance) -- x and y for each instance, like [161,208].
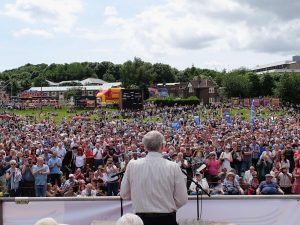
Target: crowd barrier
[240,210]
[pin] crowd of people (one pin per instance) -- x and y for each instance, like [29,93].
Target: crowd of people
[81,157]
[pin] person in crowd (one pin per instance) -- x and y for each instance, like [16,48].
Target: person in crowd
[68,162]
[27,183]
[89,191]
[284,162]
[218,188]
[226,158]
[60,150]
[3,167]
[52,190]
[198,159]
[40,172]
[213,166]
[289,155]
[55,164]
[231,186]
[112,181]
[13,178]
[141,176]
[98,155]
[80,159]
[46,155]
[201,181]
[255,149]
[263,167]
[253,184]
[71,182]
[71,192]
[248,175]
[284,179]
[296,175]
[268,187]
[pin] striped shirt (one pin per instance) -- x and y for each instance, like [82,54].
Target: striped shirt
[154,184]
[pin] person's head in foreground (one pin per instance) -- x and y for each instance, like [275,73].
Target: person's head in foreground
[130,219]
[154,141]
[47,221]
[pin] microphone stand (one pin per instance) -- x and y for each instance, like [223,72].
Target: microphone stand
[198,187]
[120,175]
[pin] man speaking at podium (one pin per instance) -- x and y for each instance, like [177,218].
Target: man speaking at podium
[155,185]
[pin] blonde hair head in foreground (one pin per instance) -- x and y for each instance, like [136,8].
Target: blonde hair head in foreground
[130,219]
[48,221]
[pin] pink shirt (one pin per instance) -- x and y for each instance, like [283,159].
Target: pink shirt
[213,167]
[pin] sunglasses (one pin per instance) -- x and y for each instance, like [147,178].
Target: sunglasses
[13,164]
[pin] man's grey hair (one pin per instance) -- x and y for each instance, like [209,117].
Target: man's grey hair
[153,141]
[130,219]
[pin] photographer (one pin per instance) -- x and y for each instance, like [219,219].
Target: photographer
[27,183]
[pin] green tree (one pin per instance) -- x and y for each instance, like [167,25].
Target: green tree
[254,85]
[236,84]
[288,88]
[109,77]
[267,85]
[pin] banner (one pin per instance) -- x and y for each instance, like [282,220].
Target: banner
[197,121]
[153,92]
[267,102]
[275,102]
[163,92]
[246,102]
[235,101]
[227,117]
[256,102]
[175,125]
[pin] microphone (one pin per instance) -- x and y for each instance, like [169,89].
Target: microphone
[118,174]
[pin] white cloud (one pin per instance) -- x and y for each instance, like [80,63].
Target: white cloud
[110,11]
[55,15]
[32,32]
[192,25]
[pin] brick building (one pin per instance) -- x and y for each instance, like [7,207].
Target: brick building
[206,90]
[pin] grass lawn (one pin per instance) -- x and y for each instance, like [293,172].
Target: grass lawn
[44,113]
[62,113]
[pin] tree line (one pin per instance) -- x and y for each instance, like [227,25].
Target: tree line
[140,74]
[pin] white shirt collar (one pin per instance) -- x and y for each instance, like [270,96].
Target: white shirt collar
[154,154]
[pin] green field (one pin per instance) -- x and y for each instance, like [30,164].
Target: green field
[57,115]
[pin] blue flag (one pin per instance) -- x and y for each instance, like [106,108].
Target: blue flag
[228,118]
[197,121]
[252,113]
[175,125]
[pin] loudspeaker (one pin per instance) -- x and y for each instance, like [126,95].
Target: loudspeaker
[132,99]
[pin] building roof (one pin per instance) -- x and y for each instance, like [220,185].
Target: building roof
[87,81]
[92,81]
[87,88]
[286,62]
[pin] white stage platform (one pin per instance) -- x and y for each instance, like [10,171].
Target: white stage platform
[240,210]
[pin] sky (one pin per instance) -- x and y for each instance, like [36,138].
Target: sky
[213,34]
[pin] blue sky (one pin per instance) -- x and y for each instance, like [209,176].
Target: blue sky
[207,33]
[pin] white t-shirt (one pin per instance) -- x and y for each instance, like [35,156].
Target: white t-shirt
[79,160]
[99,153]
